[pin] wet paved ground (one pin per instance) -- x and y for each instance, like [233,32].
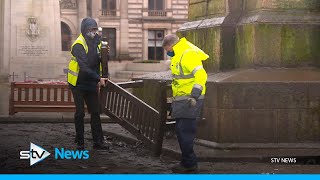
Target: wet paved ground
[122,158]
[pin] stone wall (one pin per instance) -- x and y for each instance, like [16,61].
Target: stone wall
[253,106]
[265,112]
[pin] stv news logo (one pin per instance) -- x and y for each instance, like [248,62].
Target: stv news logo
[37,154]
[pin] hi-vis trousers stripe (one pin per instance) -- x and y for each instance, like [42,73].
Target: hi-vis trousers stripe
[180,98]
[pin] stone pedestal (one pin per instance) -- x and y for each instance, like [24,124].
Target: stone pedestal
[35,39]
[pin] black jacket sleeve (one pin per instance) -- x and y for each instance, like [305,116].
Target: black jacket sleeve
[79,52]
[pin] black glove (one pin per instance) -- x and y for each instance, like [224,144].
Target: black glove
[196,92]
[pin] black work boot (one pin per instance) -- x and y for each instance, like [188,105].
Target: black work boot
[80,146]
[185,170]
[100,146]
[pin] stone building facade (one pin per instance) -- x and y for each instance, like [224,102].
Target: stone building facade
[36,35]
[133,28]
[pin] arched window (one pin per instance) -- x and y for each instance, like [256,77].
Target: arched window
[65,37]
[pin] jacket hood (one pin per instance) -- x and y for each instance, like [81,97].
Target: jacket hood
[183,45]
[88,23]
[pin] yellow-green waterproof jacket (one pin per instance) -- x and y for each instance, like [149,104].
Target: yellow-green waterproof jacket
[188,73]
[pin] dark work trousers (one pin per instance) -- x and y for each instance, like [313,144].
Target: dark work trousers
[92,101]
[186,132]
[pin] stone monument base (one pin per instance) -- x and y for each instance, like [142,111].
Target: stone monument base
[265,105]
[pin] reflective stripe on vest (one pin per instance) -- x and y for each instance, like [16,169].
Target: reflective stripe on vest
[73,73]
[181,75]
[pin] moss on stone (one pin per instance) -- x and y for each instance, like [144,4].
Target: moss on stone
[267,45]
[197,11]
[296,45]
[245,46]
[252,4]
[293,4]
[216,7]
[208,40]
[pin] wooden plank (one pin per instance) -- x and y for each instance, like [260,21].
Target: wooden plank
[34,95]
[69,96]
[45,109]
[45,86]
[123,108]
[160,125]
[48,95]
[131,84]
[113,97]
[116,99]
[41,95]
[43,103]
[55,94]
[129,111]
[62,94]
[139,117]
[119,105]
[108,100]
[19,94]
[26,94]
[134,115]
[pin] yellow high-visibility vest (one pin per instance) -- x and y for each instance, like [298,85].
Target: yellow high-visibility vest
[74,68]
[186,65]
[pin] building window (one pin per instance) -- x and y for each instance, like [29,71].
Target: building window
[155,50]
[109,7]
[156,8]
[65,37]
[109,34]
[156,5]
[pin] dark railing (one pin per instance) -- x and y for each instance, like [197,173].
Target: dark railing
[109,12]
[140,119]
[157,13]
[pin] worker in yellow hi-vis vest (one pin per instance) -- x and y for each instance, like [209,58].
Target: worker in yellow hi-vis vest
[188,87]
[83,78]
